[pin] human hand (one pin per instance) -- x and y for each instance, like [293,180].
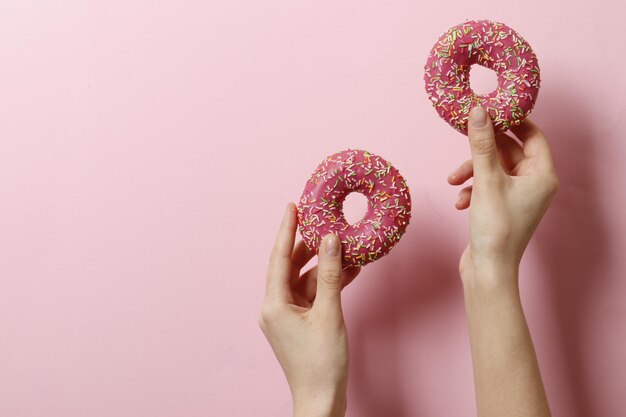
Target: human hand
[303,320]
[512,189]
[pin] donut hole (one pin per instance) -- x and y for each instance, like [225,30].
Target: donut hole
[354,207]
[483,81]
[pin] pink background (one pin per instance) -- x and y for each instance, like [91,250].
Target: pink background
[147,149]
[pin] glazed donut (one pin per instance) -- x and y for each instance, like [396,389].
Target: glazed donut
[320,209]
[495,46]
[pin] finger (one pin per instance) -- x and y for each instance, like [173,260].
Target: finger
[464,172]
[307,284]
[535,144]
[510,152]
[483,144]
[300,257]
[328,296]
[464,199]
[349,274]
[279,271]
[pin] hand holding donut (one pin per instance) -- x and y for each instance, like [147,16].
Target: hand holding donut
[513,183]
[303,321]
[512,189]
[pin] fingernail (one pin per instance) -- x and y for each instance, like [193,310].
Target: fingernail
[332,246]
[290,207]
[458,200]
[478,117]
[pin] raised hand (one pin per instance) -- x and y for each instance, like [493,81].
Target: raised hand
[303,320]
[513,184]
[512,188]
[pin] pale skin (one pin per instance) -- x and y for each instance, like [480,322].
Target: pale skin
[513,183]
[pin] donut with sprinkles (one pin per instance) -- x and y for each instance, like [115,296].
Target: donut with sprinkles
[320,209]
[495,46]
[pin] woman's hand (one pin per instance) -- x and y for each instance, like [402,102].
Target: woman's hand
[512,189]
[303,321]
[513,186]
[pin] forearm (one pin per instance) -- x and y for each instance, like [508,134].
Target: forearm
[506,373]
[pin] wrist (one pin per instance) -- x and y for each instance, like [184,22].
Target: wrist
[491,278]
[332,404]
[476,269]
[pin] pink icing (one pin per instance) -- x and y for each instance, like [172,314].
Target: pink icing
[320,210]
[495,46]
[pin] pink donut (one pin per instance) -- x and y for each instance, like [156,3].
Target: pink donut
[495,46]
[320,210]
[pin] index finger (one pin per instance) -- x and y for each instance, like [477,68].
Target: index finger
[535,144]
[279,271]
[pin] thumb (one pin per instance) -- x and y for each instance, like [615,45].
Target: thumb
[329,277]
[482,143]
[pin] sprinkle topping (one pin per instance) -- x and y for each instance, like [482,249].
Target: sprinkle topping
[492,45]
[320,210]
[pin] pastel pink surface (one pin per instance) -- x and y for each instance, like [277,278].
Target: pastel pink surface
[320,209]
[148,148]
